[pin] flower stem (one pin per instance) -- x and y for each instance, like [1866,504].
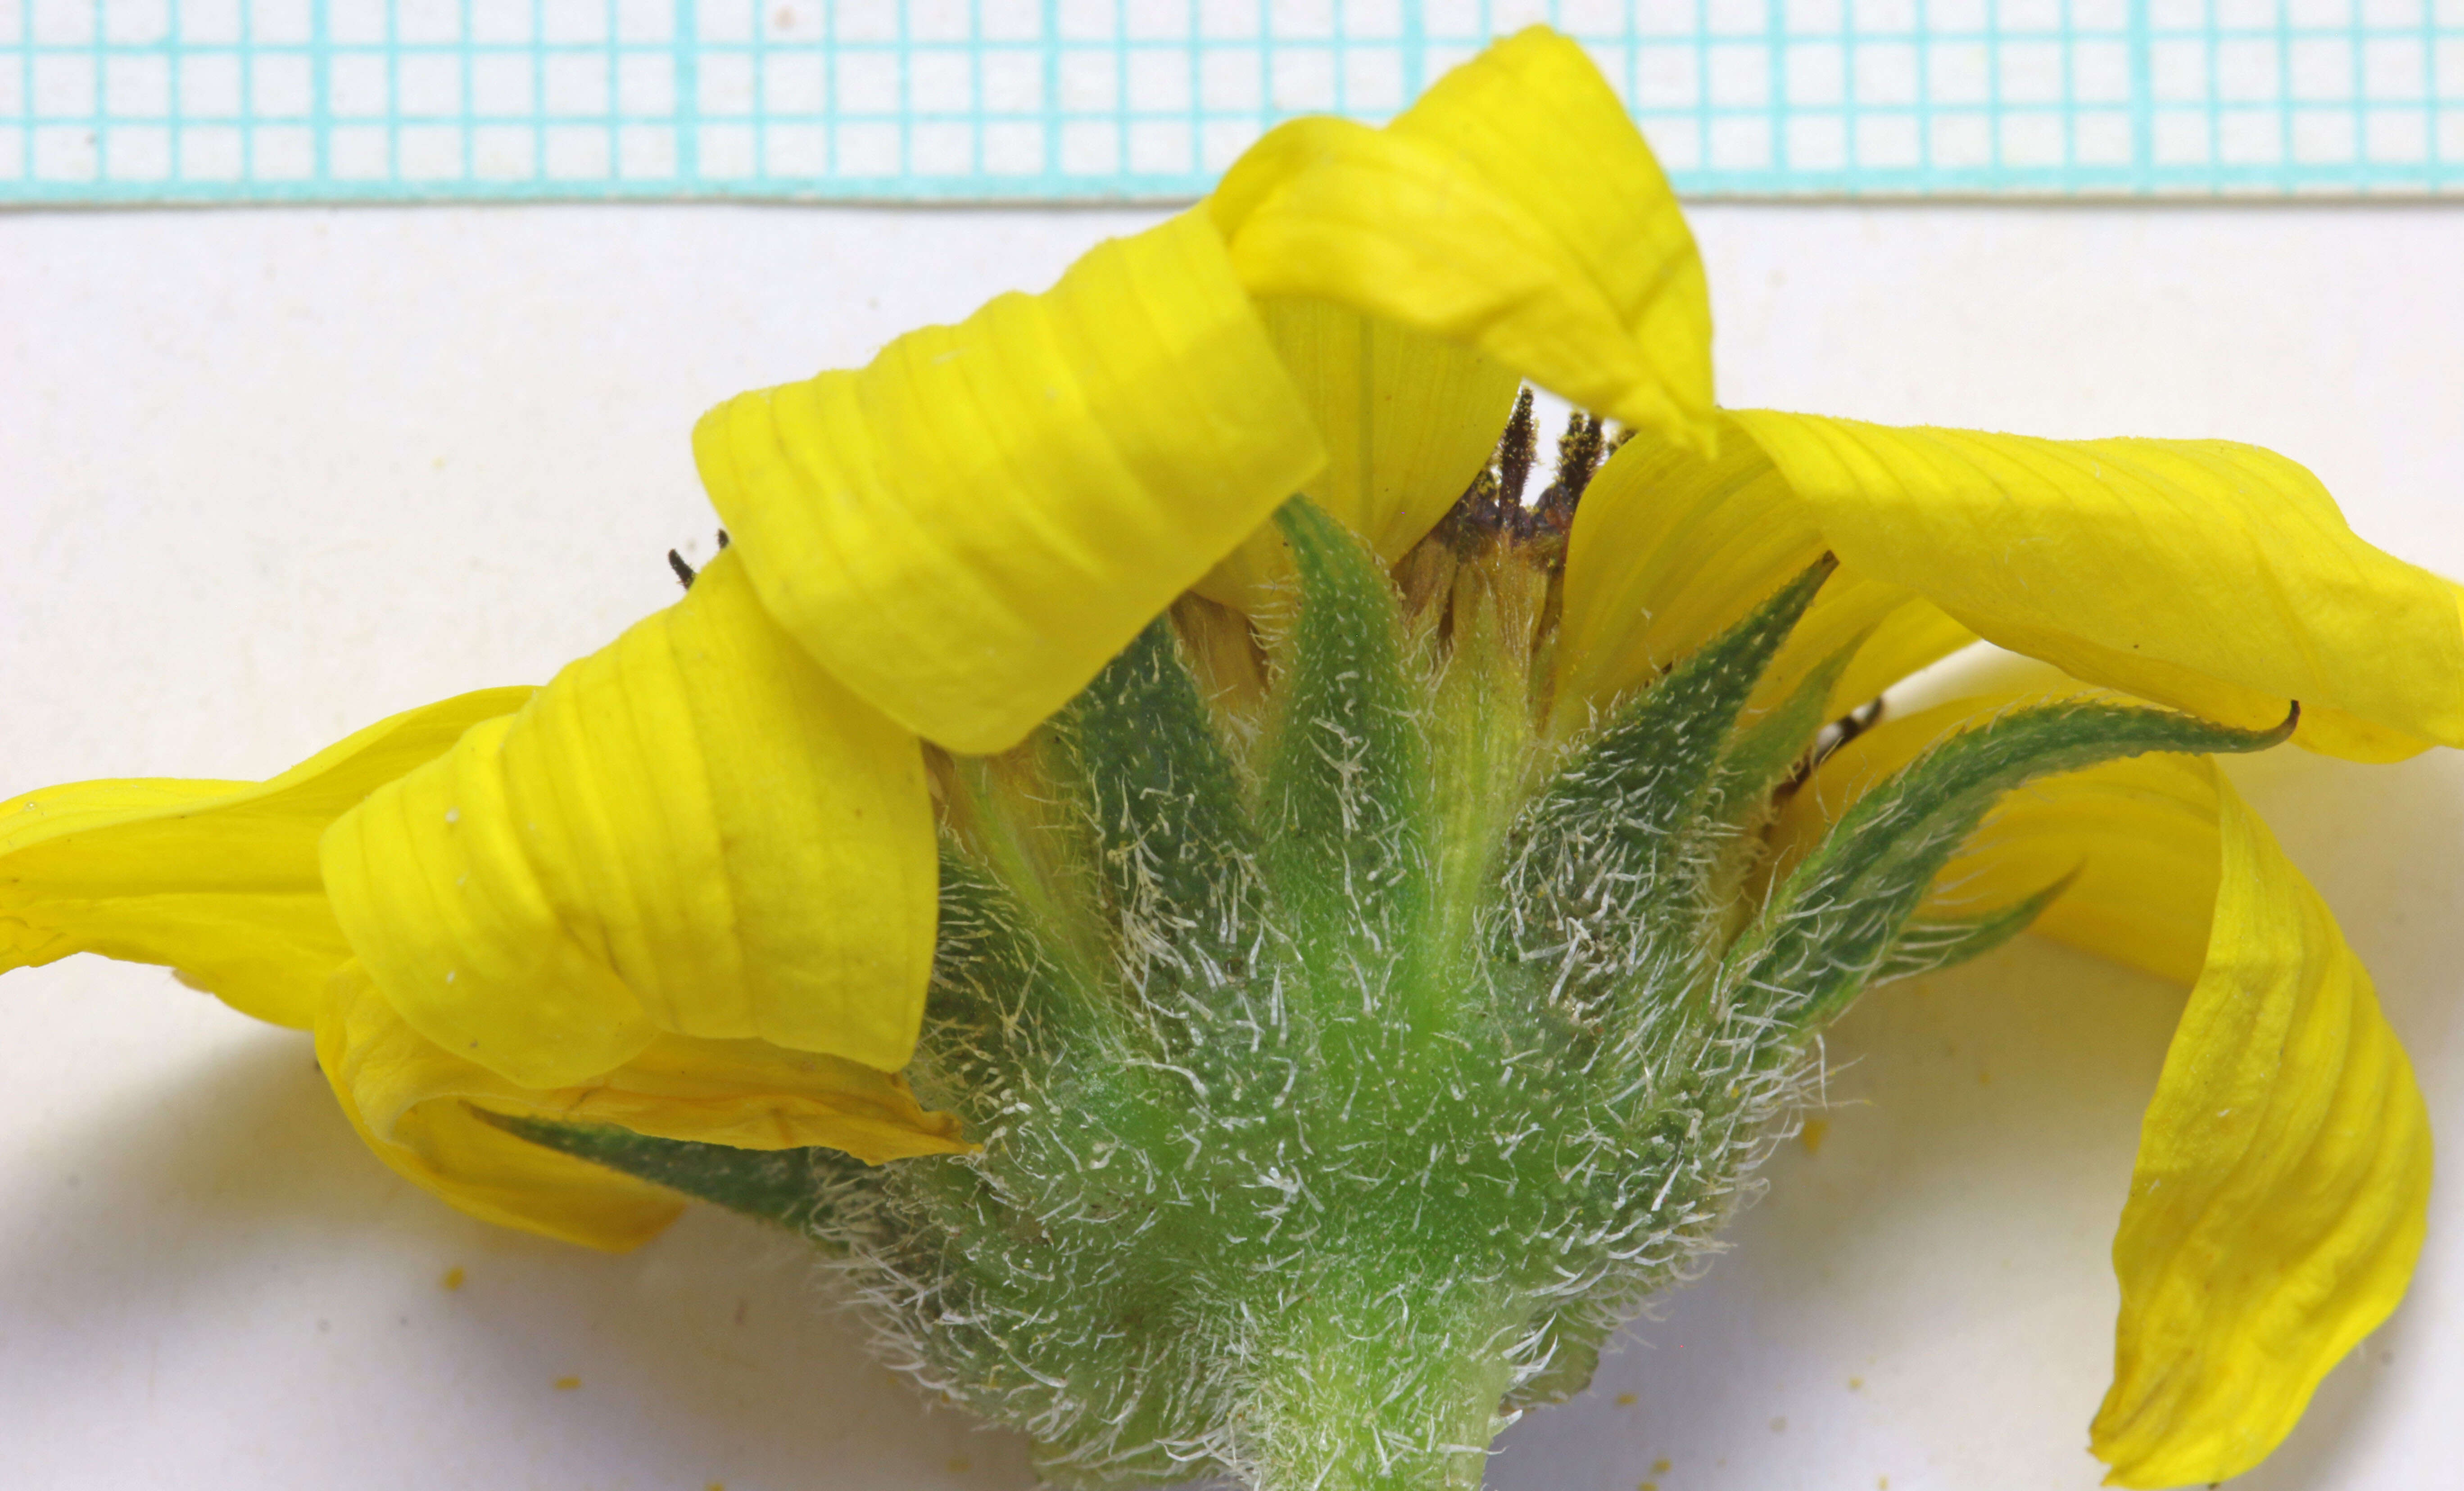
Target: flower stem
[1392,1386]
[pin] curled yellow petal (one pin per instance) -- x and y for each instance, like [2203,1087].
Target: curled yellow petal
[2214,576]
[1514,208]
[966,530]
[748,1094]
[412,1103]
[447,1149]
[1669,548]
[695,831]
[216,879]
[2281,1189]
[1408,420]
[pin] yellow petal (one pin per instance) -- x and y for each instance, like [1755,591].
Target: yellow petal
[2281,1189]
[217,879]
[2283,1172]
[1408,420]
[694,831]
[1913,635]
[446,1149]
[2212,576]
[1668,549]
[748,1094]
[1513,209]
[965,530]
[1886,631]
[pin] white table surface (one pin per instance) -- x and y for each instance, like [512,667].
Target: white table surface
[268,475]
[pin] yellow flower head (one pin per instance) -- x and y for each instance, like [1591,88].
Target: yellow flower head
[689,889]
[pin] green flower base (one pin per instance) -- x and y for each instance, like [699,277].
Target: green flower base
[1349,1060]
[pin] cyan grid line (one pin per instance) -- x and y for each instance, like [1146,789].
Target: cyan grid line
[210,100]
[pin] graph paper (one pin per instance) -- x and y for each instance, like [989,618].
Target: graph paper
[293,100]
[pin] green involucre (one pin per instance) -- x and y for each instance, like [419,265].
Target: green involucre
[1348,1062]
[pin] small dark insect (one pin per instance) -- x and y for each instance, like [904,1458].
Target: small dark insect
[1839,732]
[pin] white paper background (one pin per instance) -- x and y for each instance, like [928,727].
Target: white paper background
[266,476]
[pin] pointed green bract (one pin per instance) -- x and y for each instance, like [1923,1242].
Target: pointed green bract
[1832,925]
[1768,751]
[1931,945]
[783,1186]
[1344,802]
[1610,866]
[1156,788]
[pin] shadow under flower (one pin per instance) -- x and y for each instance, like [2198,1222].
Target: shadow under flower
[227,1271]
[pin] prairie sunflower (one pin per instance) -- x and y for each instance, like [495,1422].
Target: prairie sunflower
[1357,942]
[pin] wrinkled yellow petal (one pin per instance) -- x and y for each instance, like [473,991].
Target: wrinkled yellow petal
[216,879]
[969,528]
[2284,1172]
[694,831]
[2212,576]
[2281,1189]
[412,1103]
[1408,420]
[748,1094]
[1514,208]
[444,1148]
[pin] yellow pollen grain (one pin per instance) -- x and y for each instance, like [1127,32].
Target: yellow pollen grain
[1626,1401]
[1855,1384]
[1648,1485]
[568,1384]
[1811,1135]
[452,1278]
[1659,1467]
[959,1465]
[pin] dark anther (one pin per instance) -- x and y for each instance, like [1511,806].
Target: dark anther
[722,538]
[1492,508]
[1514,452]
[1484,502]
[1578,456]
[1473,520]
[684,571]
